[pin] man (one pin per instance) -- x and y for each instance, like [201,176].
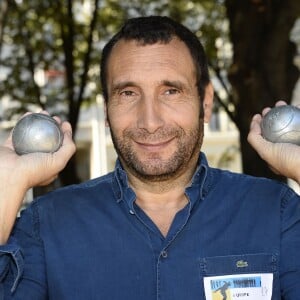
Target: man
[163,225]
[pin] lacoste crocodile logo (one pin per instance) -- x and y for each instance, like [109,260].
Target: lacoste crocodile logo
[241,264]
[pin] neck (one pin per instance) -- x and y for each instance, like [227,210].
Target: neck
[160,203]
[162,193]
[159,186]
[172,200]
[161,200]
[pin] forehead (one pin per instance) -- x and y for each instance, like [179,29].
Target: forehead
[131,56]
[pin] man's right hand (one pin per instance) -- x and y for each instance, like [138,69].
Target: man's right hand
[283,158]
[18,173]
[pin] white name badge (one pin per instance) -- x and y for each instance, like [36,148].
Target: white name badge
[239,287]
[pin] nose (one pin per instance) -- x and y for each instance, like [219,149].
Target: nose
[150,115]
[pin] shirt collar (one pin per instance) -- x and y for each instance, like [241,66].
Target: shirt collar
[198,188]
[200,182]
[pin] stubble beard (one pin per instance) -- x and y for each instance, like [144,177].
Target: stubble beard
[154,168]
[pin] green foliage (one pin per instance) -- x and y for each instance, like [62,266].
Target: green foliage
[58,37]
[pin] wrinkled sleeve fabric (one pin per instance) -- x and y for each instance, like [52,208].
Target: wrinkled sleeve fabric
[290,247]
[22,265]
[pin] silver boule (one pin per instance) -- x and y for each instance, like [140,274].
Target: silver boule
[282,125]
[36,133]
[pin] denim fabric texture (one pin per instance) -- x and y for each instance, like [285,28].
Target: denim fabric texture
[91,241]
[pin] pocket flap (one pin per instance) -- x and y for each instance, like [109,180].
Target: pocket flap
[239,264]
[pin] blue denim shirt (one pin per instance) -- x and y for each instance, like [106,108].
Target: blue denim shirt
[91,241]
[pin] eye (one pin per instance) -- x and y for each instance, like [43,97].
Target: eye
[172,91]
[127,93]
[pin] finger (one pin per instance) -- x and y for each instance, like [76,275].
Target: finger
[68,147]
[57,119]
[265,110]
[44,112]
[255,124]
[280,103]
[255,138]
[67,131]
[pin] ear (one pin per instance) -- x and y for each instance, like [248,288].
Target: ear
[208,102]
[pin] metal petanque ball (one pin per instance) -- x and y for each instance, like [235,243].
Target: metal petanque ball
[36,133]
[282,125]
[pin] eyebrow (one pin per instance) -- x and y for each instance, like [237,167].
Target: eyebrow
[173,83]
[123,84]
[116,87]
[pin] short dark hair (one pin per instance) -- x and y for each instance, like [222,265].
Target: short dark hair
[158,29]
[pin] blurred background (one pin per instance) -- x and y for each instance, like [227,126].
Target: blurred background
[50,53]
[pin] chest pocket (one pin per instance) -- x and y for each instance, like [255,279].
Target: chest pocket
[257,263]
[239,264]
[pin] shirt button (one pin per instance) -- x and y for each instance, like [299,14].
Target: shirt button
[131,212]
[164,254]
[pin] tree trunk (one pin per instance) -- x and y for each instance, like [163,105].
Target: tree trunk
[263,70]
[69,174]
[3,18]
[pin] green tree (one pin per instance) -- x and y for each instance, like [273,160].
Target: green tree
[53,37]
[263,70]
[65,38]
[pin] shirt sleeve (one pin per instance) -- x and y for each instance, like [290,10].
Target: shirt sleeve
[11,261]
[22,263]
[290,247]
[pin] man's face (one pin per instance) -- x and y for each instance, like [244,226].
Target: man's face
[153,108]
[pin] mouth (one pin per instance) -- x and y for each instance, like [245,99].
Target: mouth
[154,146]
